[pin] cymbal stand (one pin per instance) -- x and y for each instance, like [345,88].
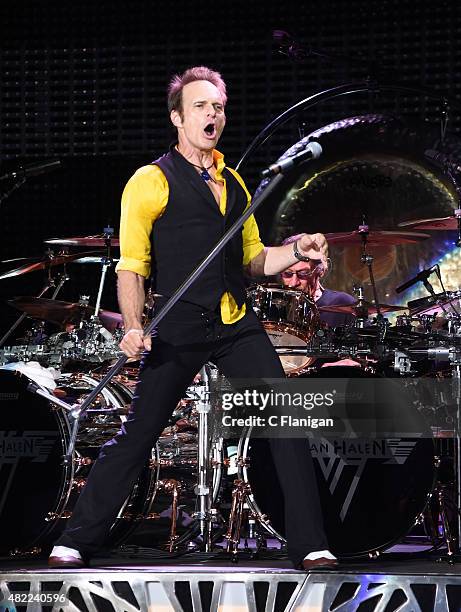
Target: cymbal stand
[203,489]
[106,263]
[51,282]
[451,302]
[368,259]
[361,311]
[455,358]
[457,211]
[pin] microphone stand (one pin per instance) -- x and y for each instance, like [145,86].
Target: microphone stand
[78,410]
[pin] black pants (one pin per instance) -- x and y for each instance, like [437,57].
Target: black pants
[187,338]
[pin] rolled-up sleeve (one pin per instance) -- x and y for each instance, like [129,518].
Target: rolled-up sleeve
[252,245]
[143,201]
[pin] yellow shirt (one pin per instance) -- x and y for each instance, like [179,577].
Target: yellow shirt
[144,200]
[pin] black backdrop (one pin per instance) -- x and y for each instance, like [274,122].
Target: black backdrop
[84,82]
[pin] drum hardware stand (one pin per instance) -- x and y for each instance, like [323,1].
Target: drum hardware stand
[367,260]
[403,363]
[457,212]
[51,282]
[173,487]
[359,320]
[239,506]
[239,497]
[202,490]
[455,359]
[106,263]
[448,536]
[439,276]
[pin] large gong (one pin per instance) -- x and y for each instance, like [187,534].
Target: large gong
[378,168]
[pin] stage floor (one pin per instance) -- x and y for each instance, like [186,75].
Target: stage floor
[193,583]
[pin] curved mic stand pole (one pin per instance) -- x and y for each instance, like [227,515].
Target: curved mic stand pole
[77,410]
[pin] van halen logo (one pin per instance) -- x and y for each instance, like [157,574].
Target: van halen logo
[333,456]
[18,448]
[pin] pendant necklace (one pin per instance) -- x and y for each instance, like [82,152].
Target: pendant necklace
[206,176]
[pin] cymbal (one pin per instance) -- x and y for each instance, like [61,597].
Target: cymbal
[84,241]
[93,260]
[354,308]
[375,238]
[60,312]
[54,311]
[110,320]
[34,263]
[434,304]
[437,223]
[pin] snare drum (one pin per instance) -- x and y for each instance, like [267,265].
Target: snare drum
[290,319]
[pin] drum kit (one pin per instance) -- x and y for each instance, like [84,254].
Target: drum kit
[199,488]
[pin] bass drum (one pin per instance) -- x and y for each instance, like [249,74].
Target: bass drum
[372,491]
[38,492]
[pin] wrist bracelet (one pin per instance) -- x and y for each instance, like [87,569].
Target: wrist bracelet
[298,255]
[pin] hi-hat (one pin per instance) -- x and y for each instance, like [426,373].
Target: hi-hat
[436,223]
[32,264]
[375,238]
[84,241]
[358,307]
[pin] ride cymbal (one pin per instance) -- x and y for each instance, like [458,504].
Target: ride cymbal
[354,309]
[436,223]
[375,238]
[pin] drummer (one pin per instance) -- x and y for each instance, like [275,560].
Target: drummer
[306,276]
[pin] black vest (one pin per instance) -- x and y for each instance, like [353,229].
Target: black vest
[189,228]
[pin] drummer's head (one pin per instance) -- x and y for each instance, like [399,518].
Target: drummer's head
[303,275]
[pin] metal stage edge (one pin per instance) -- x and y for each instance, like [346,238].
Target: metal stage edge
[184,588]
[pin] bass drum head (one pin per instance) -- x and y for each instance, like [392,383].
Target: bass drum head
[371,490]
[32,478]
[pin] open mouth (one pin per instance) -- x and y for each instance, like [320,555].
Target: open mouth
[210,130]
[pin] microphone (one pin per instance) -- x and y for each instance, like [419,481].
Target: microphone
[32,170]
[421,276]
[313,150]
[442,160]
